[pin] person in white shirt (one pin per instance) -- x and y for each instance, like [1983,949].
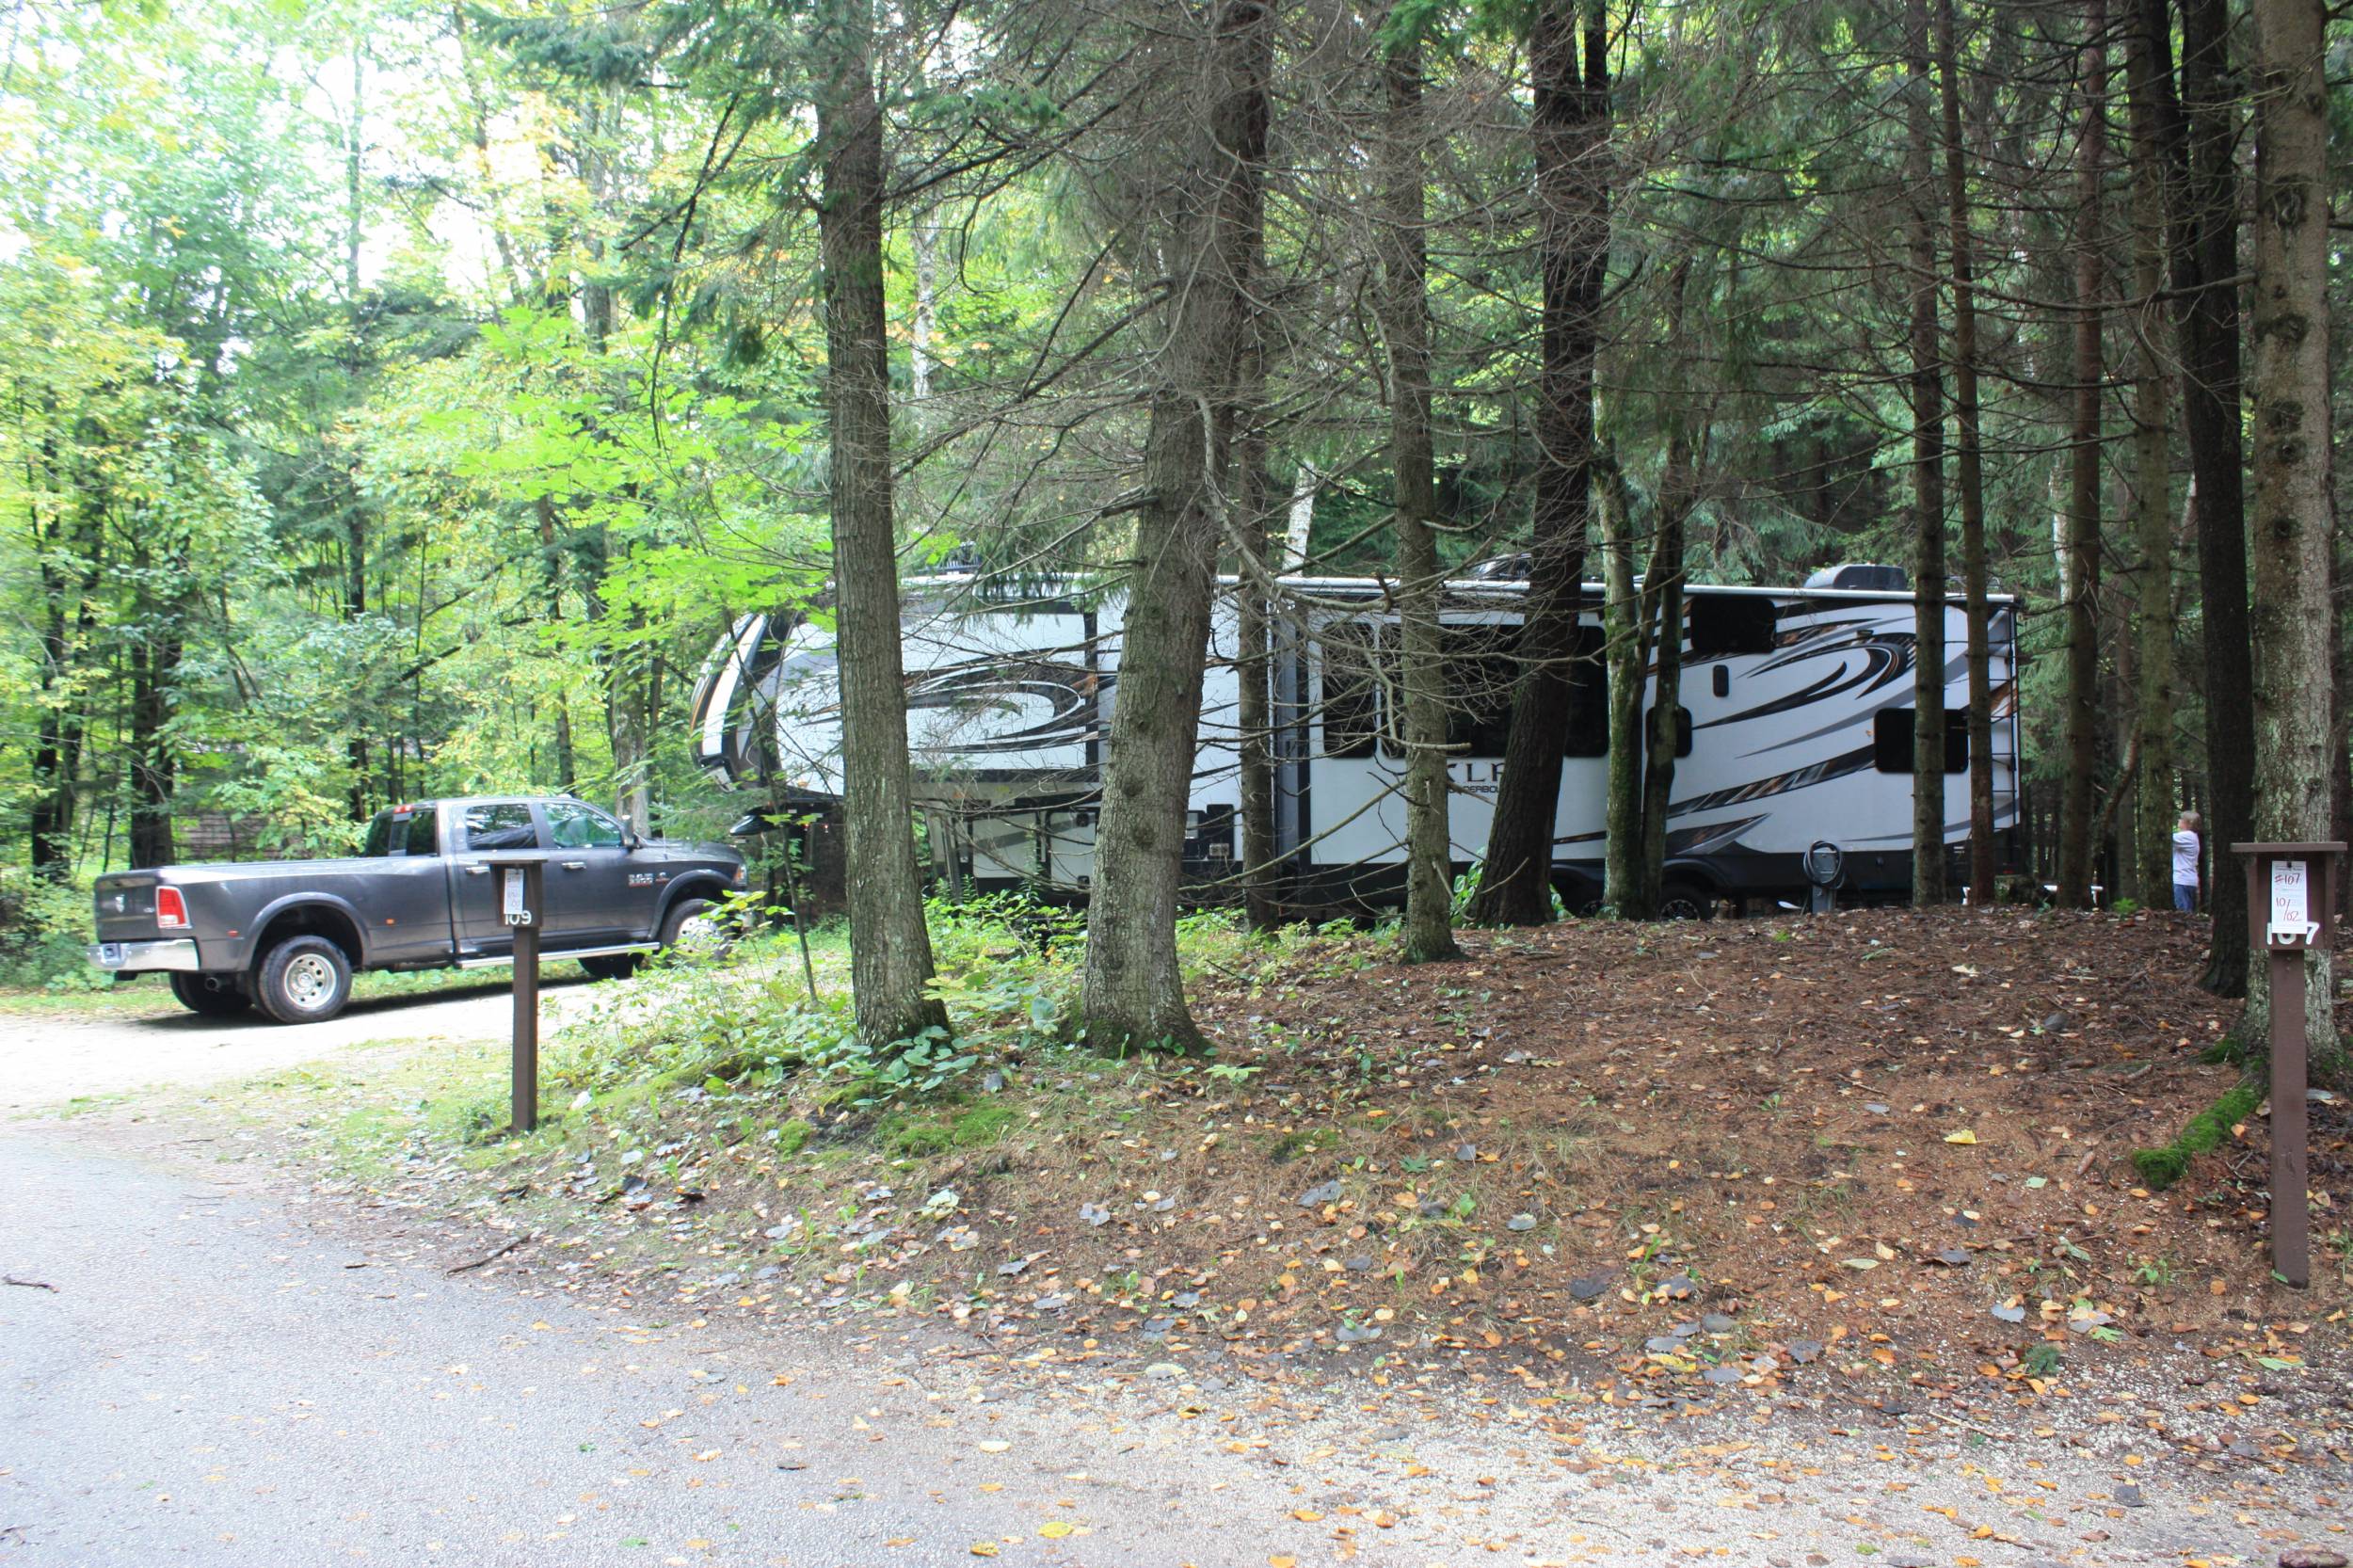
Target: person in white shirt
[2186,863]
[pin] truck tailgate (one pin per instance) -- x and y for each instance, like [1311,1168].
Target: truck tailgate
[126,907]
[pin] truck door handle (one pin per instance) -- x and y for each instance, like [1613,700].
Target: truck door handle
[575,865]
[477,870]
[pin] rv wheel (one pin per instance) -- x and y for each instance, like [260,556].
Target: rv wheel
[1686,900]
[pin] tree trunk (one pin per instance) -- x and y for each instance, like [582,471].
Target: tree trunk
[1969,471]
[551,579]
[1625,609]
[1570,132]
[1429,934]
[1663,586]
[1254,665]
[2081,588]
[2292,612]
[890,952]
[1928,487]
[155,666]
[1133,991]
[2152,835]
[2198,132]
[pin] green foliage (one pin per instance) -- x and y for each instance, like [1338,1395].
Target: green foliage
[45,933]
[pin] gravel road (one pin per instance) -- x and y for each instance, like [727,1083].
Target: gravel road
[45,1059]
[201,1367]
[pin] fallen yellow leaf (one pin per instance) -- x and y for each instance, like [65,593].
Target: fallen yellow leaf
[984,1548]
[1055,1529]
[1964,1136]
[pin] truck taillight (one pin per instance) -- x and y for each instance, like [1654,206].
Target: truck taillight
[171,910]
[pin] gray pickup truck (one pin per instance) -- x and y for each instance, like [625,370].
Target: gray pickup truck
[286,935]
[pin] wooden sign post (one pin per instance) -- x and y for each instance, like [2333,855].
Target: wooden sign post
[2291,907]
[522,910]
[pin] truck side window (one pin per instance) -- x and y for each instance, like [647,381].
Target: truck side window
[500,825]
[572,825]
[421,835]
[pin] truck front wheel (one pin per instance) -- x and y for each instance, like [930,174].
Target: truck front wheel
[303,980]
[693,929]
[216,995]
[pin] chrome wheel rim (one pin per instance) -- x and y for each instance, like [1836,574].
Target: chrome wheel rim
[699,935]
[310,981]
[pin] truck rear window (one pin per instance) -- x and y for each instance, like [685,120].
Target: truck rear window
[383,835]
[422,839]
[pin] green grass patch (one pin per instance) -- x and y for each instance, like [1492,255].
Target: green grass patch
[2163,1166]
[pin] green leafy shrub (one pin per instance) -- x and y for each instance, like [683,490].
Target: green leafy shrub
[45,933]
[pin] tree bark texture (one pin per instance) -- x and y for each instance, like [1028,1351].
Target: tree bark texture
[1927,482]
[1428,932]
[1662,598]
[1569,137]
[2080,591]
[890,953]
[2198,131]
[2290,334]
[1624,891]
[1133,995]
[1969,469]
[2151,835]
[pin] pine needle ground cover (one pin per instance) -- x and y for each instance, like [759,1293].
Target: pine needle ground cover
[1884,1152]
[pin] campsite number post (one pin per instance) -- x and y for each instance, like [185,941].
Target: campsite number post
[520,909]
[2291,907]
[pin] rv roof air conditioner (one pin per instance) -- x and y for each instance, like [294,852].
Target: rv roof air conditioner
[1861,577]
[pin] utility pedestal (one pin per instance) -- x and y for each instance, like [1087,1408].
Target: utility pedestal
[521,906]
[2291,907]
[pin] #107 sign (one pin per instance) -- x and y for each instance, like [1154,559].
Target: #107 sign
[2292,920]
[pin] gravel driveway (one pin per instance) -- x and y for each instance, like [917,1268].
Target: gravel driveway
[48,1059]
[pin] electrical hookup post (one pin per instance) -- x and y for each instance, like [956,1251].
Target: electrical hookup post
[521,910]
[2291,908]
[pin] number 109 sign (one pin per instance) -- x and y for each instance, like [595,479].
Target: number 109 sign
[512,905]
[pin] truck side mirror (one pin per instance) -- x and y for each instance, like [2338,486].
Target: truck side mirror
[629,841]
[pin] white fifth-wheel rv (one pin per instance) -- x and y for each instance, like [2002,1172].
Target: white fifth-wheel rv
[1800,703]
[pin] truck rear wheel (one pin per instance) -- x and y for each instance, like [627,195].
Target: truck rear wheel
[216,995]
[303,980]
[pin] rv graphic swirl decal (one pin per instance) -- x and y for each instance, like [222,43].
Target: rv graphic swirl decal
[1869,660]
[1006,705]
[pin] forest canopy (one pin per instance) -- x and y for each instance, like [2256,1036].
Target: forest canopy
[400,400]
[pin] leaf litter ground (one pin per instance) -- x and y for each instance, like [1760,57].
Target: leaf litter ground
[1873,1166]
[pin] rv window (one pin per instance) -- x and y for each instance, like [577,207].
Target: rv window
[1683,728]
[1351,706]
[1891,740]
[1480,673]
[1587,733]
[1732,623]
